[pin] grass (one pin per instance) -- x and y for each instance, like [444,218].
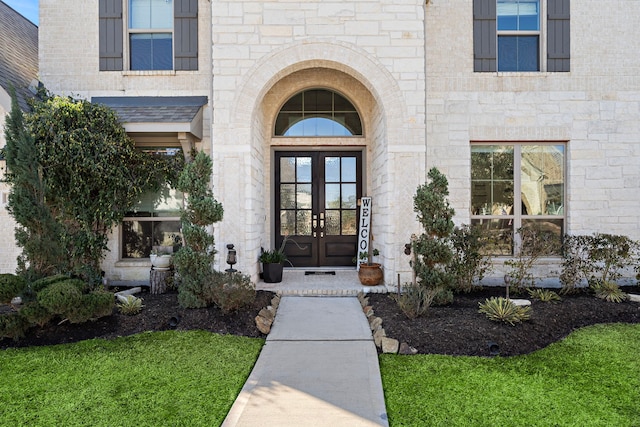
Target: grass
[162,378]
[592,378]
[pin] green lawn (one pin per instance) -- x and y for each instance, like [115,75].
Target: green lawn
[590,379]
[151,379]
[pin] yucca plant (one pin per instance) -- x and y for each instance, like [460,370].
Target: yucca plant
[545,295]
[130,305]
[504,310]
[609,291]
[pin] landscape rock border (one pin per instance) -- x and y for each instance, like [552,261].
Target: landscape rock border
[267,315]
[384,343]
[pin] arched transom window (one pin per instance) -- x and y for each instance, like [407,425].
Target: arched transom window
[318,112]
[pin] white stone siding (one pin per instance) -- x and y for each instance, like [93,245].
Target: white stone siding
[595,109]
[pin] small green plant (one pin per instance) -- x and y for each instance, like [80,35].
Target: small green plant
[130,305]
[230,291]
[504,310]
[535,243]
[272,256]
[609,291]
[415,300]
[469,264]
[544,295]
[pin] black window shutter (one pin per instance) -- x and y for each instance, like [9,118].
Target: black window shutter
[558,36]
[185,30]
[484,35]
[110,37]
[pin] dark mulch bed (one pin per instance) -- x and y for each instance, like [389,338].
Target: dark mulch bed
[457,329]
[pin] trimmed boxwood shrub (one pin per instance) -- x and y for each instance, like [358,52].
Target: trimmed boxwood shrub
[40,284]
[35,314]
[92,305]
[62,297]
[13,325]
[11,286]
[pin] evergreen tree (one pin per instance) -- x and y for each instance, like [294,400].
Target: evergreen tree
[37,232]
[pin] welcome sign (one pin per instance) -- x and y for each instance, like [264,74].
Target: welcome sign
[364,228]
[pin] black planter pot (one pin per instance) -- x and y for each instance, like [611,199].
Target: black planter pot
[272,273]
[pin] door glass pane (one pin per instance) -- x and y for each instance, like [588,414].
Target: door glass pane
[332,169]
[303,169]
[287,223]
[348,196]
[303,223]
[288,169]
[287,196]
[348,169]
[542,177]
[332,223]
[303,196]
[349,227]
[332,196]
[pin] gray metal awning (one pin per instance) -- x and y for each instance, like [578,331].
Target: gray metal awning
[158,114]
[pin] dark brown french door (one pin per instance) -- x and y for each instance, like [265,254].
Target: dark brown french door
[316,206]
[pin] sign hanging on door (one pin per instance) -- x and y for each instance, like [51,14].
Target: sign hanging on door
[364,230]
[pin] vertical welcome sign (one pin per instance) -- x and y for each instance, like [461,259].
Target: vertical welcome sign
[364,228]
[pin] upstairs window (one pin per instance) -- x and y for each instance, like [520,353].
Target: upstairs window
[518,35]
[151,34]
[512,35]
[318,112]
[158,35]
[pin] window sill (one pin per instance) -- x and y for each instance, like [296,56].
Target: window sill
[133,263]
[149,73]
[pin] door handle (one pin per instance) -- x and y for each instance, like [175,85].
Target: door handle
[314,224]
[321,221]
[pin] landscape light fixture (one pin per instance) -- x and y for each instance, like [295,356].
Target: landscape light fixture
[231,258]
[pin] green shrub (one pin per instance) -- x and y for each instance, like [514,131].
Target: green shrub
[40,284]
[95,304]
[609,291]
[415,300]
[13,325]
[130,306]
[11,286]
[230,292]
[535,243]
[504,310]
[545,295]
[34,313]
[469,264]
[61,297]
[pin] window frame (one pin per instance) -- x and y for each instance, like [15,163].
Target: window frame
[131,218]
[541,33]
[517,217]
[130,31]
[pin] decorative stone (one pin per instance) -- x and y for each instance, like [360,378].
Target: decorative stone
[407,349]
[367,310]
[130,291]
[390,345]
[16,301]
[377,337]
[267,314]
[634,298]
[263,324]
[275,302]
[521,302]
[376,323]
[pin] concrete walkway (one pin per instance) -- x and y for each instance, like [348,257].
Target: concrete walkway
[319,367]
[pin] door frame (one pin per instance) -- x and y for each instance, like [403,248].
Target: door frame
[319,151]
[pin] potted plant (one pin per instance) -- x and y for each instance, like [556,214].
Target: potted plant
[370,273]
[272,264]
[161,258]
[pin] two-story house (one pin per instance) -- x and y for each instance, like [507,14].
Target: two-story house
[530,108]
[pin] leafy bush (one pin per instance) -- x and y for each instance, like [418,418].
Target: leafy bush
[35,314]
[545,295]
[11,286]
[415,300]
[40,284]
[468,265]
[130,306]
[61,297]
[535,243]
[597,259]
[230,291]
[504,310]
[609,291]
